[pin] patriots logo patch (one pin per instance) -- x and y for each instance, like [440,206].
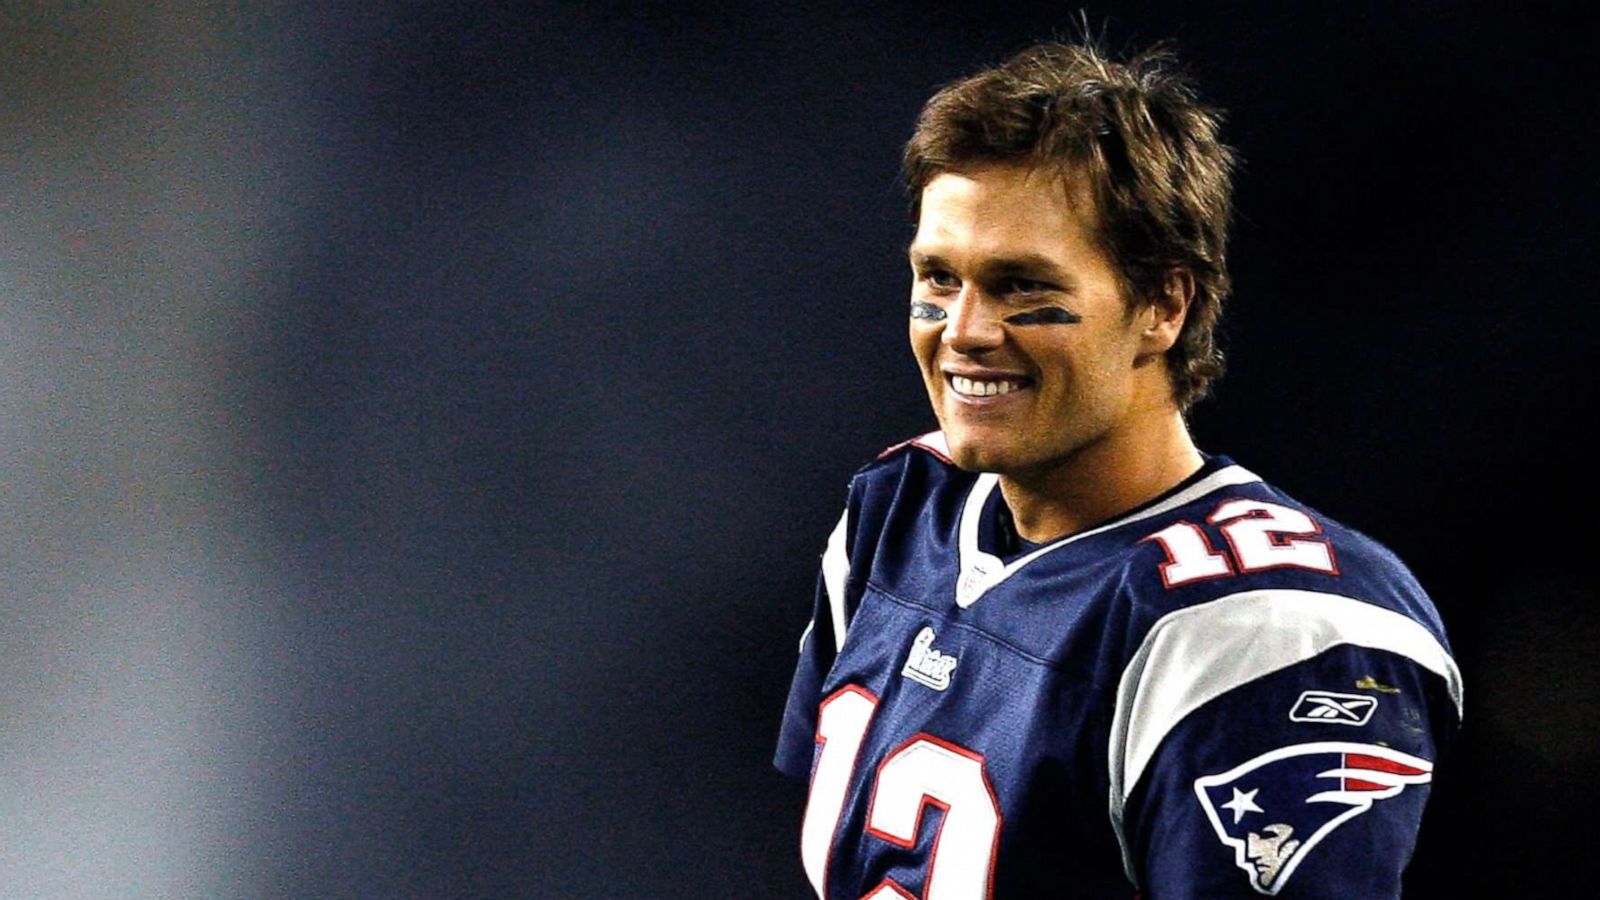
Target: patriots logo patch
[1276,808]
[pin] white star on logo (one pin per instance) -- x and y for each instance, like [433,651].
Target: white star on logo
[1242,802]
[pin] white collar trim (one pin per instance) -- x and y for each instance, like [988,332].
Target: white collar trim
[981,571]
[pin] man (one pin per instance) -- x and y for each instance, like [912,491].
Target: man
[1057,650]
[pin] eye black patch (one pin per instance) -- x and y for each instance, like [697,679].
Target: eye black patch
[1049,315]
[926,311]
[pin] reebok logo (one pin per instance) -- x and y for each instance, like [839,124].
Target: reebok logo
[1326,706]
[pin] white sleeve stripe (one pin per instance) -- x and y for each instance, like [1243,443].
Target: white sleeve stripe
[835,571]
[806,634]
[1197,654]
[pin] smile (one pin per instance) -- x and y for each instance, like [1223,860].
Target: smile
[974,387]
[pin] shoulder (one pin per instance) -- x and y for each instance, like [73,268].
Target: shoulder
[909,473]
[888,495]
[1245,582]
[1250,537]
[1247,577]
[1264,631]
[927,456]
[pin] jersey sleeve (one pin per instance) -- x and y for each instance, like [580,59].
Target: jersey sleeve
[819,646]
[1279,743]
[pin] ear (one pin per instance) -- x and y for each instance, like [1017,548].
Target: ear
[1165,315]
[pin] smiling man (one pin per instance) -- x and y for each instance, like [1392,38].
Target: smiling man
[1056,650]
[1037,366]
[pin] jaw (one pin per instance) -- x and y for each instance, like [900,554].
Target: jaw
[1025,436]
[985,431]
[989,434]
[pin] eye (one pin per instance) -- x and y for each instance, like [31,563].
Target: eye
[940,280]
[1025,286]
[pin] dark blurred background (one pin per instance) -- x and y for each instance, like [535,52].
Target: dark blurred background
[419,425]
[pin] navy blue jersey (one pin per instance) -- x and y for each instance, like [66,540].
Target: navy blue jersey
[1220,693]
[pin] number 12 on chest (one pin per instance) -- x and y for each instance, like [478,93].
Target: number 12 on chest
[924,770]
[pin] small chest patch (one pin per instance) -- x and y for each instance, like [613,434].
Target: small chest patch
[1326,706]
[926,665]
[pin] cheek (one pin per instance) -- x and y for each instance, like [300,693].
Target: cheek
[1079,380]
[1099,364]
[924,344]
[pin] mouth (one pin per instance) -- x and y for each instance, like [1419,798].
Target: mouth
[970,388]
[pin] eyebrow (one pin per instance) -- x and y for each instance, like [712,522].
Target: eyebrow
[1031,265]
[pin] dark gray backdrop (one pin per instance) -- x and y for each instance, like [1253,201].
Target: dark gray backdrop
[418,426]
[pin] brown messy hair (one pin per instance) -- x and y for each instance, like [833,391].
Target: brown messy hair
[1161,179]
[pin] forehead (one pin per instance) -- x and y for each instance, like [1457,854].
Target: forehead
[1004,209]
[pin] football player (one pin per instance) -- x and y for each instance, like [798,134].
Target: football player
[1056,650]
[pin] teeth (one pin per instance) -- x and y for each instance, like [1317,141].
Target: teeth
[973,388]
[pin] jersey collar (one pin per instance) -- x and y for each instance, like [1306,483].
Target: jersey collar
[981,570]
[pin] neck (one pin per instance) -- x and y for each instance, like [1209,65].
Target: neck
[1103,479]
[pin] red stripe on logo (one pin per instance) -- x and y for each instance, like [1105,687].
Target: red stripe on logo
[1380,764]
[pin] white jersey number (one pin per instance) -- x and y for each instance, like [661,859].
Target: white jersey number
[924,770]
[1259,536]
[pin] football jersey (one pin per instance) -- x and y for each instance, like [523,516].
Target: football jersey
[1220,693]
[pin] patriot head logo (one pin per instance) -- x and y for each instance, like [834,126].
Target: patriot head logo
[1276,808]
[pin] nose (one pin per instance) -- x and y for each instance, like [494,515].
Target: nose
[972,324]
